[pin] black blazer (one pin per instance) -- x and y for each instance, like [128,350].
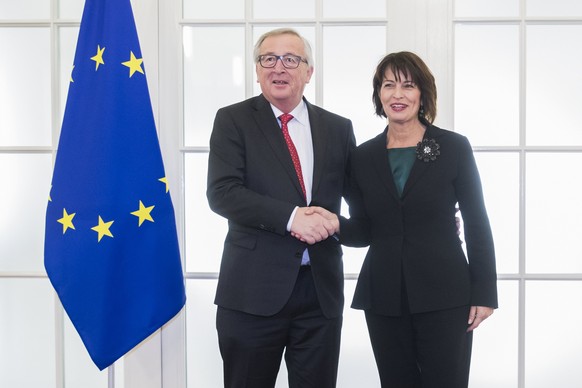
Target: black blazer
[414,237]
[252,182]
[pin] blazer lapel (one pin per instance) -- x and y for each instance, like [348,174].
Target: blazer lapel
[382,165]
[419,168]
[269,126]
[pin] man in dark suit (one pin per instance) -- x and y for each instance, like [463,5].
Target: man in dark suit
[276,293]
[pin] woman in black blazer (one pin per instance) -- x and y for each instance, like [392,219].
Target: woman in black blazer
[421,295]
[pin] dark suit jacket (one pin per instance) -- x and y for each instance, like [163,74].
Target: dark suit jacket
[414,237]
[252,182]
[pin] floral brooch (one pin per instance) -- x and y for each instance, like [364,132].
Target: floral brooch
[427,150]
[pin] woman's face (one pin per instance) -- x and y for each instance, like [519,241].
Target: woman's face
[400,99]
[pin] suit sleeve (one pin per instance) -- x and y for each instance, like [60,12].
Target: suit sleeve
[227,190]
[478,235]
[354,231]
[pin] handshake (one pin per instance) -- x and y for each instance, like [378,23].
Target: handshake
[313,224]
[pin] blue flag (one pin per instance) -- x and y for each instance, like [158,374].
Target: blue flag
[111,248]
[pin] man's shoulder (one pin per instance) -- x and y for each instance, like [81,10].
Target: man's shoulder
[325,113]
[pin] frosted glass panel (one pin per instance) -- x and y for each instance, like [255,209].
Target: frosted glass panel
[282,9]
[204,367]
[546,8]
[309,34]
[495,343]
[553,213]
[27,334]
[552,335]
[205,230]
[25,81]
[215,9]
[351,54]
[80,371]
[25,9]
[24,193]
[357,367]
[500,178]
[354,9]
[213,77]
[71,9]
[554,85]
[67,45]
[487,83]
[489,8]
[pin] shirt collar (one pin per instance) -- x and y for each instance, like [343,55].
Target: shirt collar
[299,113]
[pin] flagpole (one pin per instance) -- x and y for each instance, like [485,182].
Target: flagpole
[111,376]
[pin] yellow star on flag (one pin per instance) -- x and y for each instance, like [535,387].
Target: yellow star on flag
[102,229]
[143,213]
[67,221]
[165,180]
[98,58]
[134,64]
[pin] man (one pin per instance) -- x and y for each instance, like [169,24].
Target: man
[276,293]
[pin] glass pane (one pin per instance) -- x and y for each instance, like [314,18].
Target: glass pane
[71,9]
[204,228]
[80,371]
[354,9]
[281,9]
[23,200]
[553,213]
[67,45]
[309,34]
[495,342]
[357,367]
[204,367]
[212,79]
[552,335]
[27,333]
[500,178]
[348,93]
[546,8]
[486,81]
[489,8]
[553,71]
[25,87]
[216,9]
[25,9]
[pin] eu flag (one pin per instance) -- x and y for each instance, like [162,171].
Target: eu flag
[111,248]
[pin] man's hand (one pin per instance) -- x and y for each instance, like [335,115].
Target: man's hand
[329,221]
[311,227]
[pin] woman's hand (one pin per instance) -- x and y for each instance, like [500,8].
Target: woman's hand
[478,314]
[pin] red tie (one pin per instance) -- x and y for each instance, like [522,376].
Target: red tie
[285,118]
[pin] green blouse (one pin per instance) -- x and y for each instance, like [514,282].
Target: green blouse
[401,162]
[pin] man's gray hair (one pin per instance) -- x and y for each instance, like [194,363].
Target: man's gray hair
[284,31]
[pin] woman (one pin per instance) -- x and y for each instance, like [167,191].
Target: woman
[421,296]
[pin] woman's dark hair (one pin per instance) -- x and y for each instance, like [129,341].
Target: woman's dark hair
[413,68]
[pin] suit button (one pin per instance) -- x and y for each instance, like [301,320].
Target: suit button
[261,226]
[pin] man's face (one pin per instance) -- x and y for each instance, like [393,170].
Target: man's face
[283,87]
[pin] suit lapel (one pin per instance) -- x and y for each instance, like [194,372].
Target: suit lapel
[320,136]
[269,126]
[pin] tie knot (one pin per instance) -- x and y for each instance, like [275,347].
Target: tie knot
[285,118]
